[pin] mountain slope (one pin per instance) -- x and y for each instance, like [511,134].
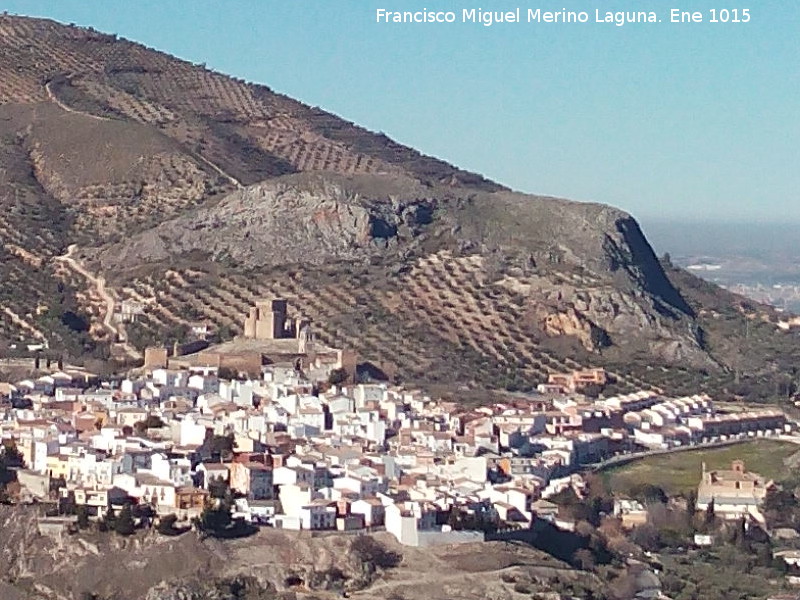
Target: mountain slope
[195,193]
[249,131]
[428,281]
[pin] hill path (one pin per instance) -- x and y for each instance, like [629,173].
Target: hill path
[213,166]
[63,106]
[116,330]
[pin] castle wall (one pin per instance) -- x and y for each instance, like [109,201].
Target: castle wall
[248,362]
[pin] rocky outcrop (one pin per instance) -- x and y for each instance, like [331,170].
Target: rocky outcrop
[291,220]
[272,564]
[234,588]
[572,324]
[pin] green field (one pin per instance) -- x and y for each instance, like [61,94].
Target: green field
[679,472]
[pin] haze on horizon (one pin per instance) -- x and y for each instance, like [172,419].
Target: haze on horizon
[673,123]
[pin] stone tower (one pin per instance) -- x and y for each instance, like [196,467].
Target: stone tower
[266,320]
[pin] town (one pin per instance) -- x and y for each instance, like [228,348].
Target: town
[278,424]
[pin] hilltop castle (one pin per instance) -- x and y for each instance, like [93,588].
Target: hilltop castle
[268,320]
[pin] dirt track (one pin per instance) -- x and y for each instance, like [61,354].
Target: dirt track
[99,283]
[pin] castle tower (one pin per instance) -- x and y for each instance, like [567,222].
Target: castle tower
[266,320]
[347,360]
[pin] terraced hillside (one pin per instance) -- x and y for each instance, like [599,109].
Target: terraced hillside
[107,137]
[35,304]
[438,321]
[248,131]
[193,193]
[401,273]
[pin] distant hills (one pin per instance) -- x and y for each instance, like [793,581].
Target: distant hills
[760,241]
[193,193]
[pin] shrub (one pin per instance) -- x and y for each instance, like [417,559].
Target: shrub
[337,377]
[369,550]
[124,524]
[166,526]
[83,516]
[216,521]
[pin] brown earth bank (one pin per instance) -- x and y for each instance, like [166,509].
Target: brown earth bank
[270,564]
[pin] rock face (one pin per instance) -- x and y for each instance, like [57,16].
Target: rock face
[269,565]
[290,220]
[222,589]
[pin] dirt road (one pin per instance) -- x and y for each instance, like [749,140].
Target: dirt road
[54,98]
[99,283]
[211,165]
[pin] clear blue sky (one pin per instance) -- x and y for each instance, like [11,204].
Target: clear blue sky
[665,121]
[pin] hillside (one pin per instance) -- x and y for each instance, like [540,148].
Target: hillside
[195,193]
[273,564]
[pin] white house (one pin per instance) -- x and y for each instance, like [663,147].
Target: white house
[148,489]
[371,509]
[213,472]
[293,475]
[294,497]
[188,431]
[318,515]
[406,520]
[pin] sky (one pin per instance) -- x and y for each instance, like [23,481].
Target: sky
[671,122]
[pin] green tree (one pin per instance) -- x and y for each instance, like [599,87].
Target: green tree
[124,524]
[222,445]
[215,518]
[646,537]
[10,458]
[337,377]
[151,422]
[691,503]
[454,519]
[711,517]
[649,493]
[108,520]
[223,334]
[592,390]
[166,525]
[691,508]
[227,373]
[83,516]
[218,488]
[740,534]
[764,555]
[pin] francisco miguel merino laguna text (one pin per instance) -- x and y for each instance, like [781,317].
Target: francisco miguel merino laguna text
[533,15]
[537,15]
